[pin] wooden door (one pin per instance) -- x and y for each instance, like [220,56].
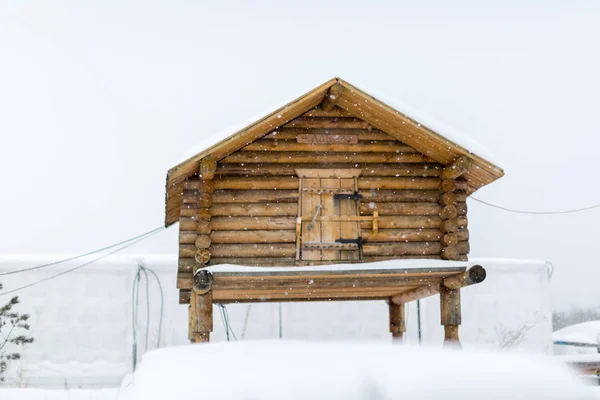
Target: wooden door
[328,211]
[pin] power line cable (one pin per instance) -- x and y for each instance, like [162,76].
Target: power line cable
[575,210]
[147,235]
[86,254]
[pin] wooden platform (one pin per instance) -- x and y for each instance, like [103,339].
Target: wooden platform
[398,282]
[248,284]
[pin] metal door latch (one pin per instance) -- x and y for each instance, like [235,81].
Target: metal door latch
[350,196]
[359,241]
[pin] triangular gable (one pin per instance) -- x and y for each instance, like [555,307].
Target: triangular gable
[355,102]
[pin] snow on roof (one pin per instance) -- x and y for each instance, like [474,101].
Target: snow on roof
[212,139]
[334,370]
[449,133]
[379,265]
[453,135]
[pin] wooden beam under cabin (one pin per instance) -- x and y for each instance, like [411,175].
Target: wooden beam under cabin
[472,276]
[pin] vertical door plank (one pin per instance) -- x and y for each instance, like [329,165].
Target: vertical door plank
[330,230]
[348,230]
[309,203]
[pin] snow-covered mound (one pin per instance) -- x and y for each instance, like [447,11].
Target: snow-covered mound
[314,370]
[585,332]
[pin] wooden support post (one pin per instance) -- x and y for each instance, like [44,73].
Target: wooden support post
[201,308]
[450,314]
[397,320]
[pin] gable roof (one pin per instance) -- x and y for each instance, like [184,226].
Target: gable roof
[443,145]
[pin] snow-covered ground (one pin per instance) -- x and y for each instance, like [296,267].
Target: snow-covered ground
[314,370]
[82,321]
[323,370]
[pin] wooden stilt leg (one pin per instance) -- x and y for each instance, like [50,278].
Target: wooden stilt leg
[397,321]
[201,317]
[450,314]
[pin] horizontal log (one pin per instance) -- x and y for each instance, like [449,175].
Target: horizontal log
[189,210]
[400,208]
[255,261]
[185,280]
[449,239]
[187,265]
[402,249]
[274,236]
[289,261]
[279,183]
[252,223]
[254,250]
[402,235]
[202,242]
[459,167]
[448,185]
[394,170]
[314,157]
[255,209]
[363,134]
[475,274]
[187,224]
[187,250]
[255,196]
[187,237]
[190,196]
[451,185]
[449,225]
[404,222]
[448,199]
[203,227]
[203,215]
[464,247]
[418,293]
[327,122]
[316,283]
[202,186]
[449,212]
[398,183]
[336,112]
[450,252]
[385,196]
[360,147]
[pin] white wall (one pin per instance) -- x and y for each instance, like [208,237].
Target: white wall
[82,321]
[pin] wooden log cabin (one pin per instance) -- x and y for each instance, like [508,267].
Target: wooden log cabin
[313,192]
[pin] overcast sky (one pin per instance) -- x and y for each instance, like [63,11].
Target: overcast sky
[99,98]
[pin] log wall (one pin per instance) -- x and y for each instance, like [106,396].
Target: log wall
[247,213]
